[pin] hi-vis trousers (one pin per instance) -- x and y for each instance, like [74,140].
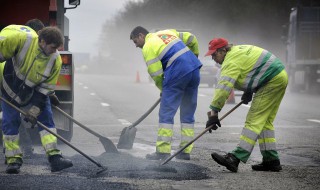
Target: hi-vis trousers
[259,122]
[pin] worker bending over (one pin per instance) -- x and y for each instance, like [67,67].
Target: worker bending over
[253,70]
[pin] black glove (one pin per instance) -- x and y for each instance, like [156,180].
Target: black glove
[213,120]
[246,97]
[32,114]
[54,100]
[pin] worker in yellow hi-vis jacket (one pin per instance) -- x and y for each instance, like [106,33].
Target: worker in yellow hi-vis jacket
[253,70]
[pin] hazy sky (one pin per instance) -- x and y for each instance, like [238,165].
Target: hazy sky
[86,23]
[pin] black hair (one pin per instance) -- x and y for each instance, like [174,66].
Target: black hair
[35,24]
[137,30]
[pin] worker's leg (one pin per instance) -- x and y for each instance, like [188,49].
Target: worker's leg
[10,128]
[49,141]
[267,139]
[264,106]
[170,102]
[187,109]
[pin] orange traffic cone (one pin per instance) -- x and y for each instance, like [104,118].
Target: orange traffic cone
[137,77]
[231,99]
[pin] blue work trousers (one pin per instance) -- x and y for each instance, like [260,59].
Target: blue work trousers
[182,93]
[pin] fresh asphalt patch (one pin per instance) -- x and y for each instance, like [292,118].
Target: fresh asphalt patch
[124,165]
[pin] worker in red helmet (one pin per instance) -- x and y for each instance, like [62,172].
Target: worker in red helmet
[255,71]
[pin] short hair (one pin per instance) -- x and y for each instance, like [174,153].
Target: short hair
[137,30]
[35,24]
[51,35]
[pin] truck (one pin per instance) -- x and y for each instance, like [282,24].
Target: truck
[303,42]
[51,13]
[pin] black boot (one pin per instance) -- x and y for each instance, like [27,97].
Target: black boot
[273,165]
[14,168]
[157,156]
[183,156]
[228,160]
[57,163]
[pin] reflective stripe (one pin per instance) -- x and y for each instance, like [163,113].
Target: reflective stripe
[165,125]
[186,138]
[249,134]
[190,39]
[11,143]
[223,87]
[157,73]
[49,65]
[50,146]
[150,62]
[268,146]
[1,57]
[25,48]
[43,90]
[187,125]
[44,132]
[10,92]
[255,67]
[267,134]
[167,48]
[165,139]
[48,86]
[176,55]
[246,146]
[263,70]
[181,35]
[226,78]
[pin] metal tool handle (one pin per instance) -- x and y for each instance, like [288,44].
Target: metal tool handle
[145,114]
[53,133]
[207,129]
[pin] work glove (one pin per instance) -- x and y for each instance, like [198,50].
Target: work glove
[213,120]
[246,97]
[54,100]
[32,114]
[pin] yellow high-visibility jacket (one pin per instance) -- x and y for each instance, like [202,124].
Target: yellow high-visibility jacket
[246,68]
[28,72]
[163,48]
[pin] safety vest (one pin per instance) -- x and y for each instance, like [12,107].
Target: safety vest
[161,49]
[27,68]
[246,68]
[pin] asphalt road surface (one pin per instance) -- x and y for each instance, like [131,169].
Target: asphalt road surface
[108,103]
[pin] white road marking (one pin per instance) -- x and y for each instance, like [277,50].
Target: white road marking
[202,95]
[85,87]
[92,93]
[314,120]
[104,104]
[124,122]
[80,83]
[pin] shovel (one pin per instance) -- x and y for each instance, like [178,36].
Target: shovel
[207,129]
[128,134]
[107,143]
[59,137]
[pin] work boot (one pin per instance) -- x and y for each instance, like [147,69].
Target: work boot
[14,168]
[157,156]
[228,160]
[183,156]
[273,165]
[57,163]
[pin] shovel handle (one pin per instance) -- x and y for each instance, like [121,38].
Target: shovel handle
[145,114]
[53,133]
[207,129]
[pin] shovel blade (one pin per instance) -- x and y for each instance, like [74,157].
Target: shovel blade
[128,134]
[108,145]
